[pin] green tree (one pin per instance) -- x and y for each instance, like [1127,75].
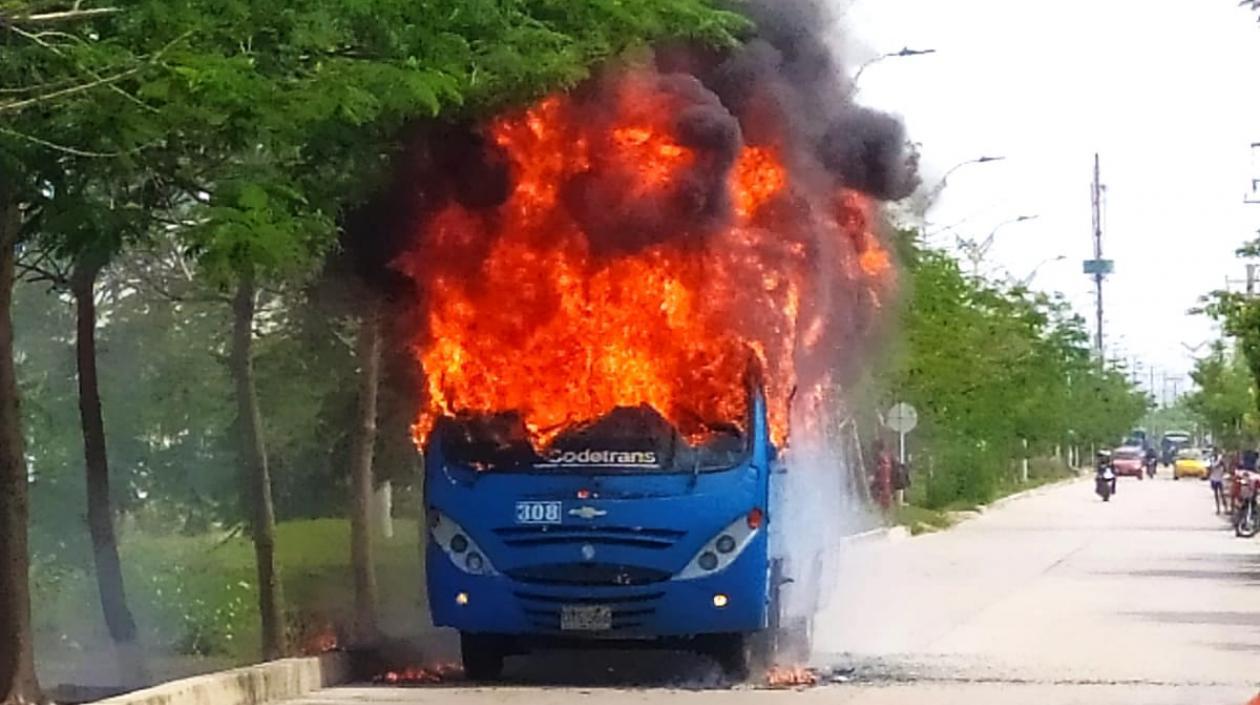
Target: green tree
[1224,397]
[258,125]
[1239,314]
[48,60]
[994,370]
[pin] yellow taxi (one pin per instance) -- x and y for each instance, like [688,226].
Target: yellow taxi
[1190,462]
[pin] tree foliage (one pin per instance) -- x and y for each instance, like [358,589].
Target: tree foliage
[238,134]
[1228,378]
[990,367]
[1224,397]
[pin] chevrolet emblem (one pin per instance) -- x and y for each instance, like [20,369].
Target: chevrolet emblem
[587,512]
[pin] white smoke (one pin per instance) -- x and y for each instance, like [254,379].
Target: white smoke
[822,497]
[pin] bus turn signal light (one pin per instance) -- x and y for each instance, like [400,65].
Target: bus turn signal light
[755,516]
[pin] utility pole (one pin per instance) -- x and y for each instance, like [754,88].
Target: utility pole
[1098,268]
[1253,198]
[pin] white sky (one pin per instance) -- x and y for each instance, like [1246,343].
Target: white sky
[1165,90]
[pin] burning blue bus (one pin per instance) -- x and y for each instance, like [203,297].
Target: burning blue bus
[624,534]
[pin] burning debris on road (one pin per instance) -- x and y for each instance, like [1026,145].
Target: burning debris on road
[647,237]
[791,677]
[421,675]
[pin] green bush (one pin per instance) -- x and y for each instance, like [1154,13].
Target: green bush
[965,472]
[195,595]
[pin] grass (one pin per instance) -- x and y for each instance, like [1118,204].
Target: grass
[194,597]
[920,519]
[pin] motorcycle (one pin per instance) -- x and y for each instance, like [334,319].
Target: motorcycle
[1151,466]
[1245,513]
[1105,482]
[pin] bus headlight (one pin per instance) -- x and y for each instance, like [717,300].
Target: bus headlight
[458,546]
[708,561]
[723,549]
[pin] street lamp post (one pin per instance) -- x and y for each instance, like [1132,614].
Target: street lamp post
[904,53]
[936,191]
[976,252]
[1033,274]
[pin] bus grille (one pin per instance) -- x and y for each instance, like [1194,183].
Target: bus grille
[637,537]
[593,574]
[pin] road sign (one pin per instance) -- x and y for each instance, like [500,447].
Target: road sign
[902,418]
[1099,266]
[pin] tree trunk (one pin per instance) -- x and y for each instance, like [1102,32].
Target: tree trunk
[366,629]
[100,512]
[255,477]
[383,508]
[18,682]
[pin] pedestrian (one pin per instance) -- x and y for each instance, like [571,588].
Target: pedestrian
[901,482]
[882,482]
[1217,475]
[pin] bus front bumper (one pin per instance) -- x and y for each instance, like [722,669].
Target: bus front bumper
[731,601]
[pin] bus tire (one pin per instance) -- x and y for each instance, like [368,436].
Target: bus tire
[740,656]
[482,656]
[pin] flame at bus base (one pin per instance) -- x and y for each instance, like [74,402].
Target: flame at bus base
[642,253]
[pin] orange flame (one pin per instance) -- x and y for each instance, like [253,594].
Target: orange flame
[422,675]
[524,312]
[318,638]
[791,677]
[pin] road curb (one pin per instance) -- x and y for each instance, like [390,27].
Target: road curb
[886,533]
[1003,501]
[251,685]
[962,517]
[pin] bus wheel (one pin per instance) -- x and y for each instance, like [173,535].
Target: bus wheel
[482,656]
[740,656]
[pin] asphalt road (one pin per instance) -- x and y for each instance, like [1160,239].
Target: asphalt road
[1052,598]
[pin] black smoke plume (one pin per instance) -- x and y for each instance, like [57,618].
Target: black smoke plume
[783,87]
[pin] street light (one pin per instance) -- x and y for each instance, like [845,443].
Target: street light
[936,191]
[1026,281]
[988,241]
[904,53]
[976,252]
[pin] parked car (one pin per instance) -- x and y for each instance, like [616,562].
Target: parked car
[1190,462]
[1128,461]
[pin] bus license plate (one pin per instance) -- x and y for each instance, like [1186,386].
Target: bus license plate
[585,618]
[538,513]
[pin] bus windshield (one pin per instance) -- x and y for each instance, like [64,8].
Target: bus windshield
[626,440]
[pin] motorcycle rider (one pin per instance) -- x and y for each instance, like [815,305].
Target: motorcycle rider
[1104,472]
[1152,459]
